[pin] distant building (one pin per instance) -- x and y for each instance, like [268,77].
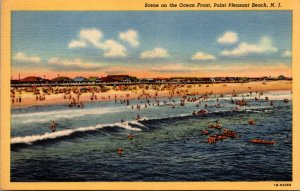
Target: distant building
[255,79]
[243,79]
[178,80]
[281,77]
[160,79]
[119,78]
[32,79]
[219,79]
[61,79]
[14,81]
[231,79]
[79,79]
[264,78]
[104,79]
[146,80]
[93,79]
[205,79]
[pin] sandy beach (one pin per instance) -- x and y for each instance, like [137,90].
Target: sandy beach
[66,95]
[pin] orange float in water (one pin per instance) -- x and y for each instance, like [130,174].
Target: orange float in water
[251,122]
[212,139]
[130,136]
[120,150]
[215,126]
[261,141]
[202,112]
[231,134]
[221,137]
[204,132]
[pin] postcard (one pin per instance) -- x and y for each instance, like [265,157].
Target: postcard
[150,95]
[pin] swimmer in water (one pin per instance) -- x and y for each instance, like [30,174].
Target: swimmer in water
[120,151]
[138,117]
[53,126]
[130,136]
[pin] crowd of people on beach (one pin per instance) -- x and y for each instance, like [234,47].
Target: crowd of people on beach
[14,98]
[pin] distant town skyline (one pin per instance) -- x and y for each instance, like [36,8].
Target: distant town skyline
[151,44]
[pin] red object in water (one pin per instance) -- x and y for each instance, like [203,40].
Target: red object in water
[231,134]
[212,139]
[251,122]
[120,150]
[216,126]
[130,136]
[260,141]
[202,112]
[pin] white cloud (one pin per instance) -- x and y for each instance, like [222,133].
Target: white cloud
[130,36]
[286,53]
[113,49]
[77,44]
[228,38]
[23,57]
[93,36]
[73,63]
[265,45]
[203,56]
[155,53]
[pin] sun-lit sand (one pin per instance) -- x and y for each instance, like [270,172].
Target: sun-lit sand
[143,91]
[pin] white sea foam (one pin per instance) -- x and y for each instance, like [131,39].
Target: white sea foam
[65,114]
[137,123]
[278,95]
[126,125]
[268,110]
[272,95]
[34,138]
[63,133]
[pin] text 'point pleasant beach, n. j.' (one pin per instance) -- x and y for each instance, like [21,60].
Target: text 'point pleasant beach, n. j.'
[213,5]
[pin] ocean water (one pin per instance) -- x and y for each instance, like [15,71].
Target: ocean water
[167,143]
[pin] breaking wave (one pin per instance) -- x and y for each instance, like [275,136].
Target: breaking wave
[64,133]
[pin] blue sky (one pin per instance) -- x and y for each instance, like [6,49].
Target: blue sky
[177,42]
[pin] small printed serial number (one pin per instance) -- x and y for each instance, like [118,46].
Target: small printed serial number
[282,185]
